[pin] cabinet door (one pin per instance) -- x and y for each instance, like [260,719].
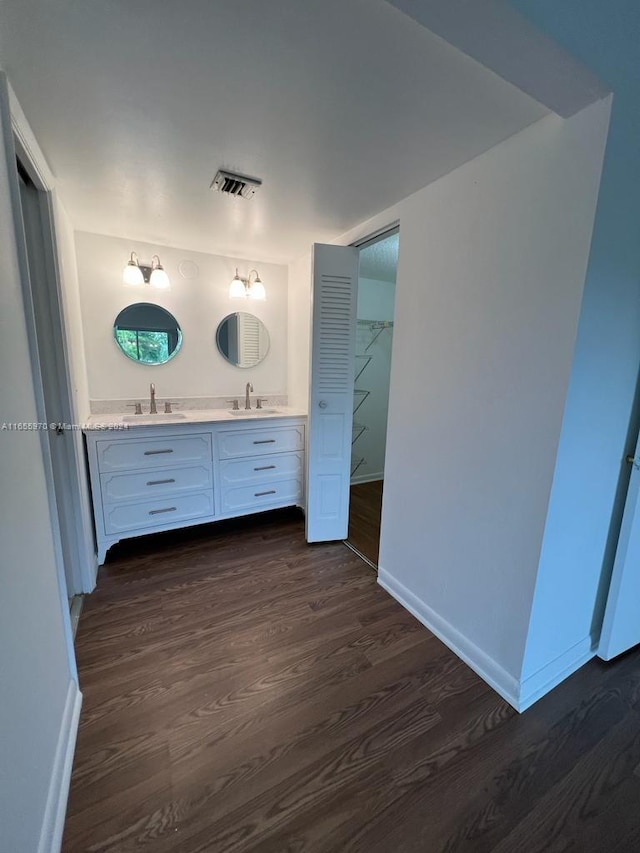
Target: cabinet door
[255,441]
[244,472]
[164,511]
[335,284]
[261,495]
[161,481]
[118,454]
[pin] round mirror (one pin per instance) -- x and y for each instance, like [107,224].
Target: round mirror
[242,339]
[147,333]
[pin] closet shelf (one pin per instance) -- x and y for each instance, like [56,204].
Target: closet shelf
[362,395]
[358,429]
[357,464]
[367,358]
[376,327]
[368,333]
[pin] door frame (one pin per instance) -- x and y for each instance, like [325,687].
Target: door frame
[377,235]
[361,243]
[76,512]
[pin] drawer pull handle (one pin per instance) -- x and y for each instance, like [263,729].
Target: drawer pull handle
[156,452]
[158,511]
[260,494]
[266,441]
[264,467]
[160,482]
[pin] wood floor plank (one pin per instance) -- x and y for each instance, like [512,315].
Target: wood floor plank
[291,740]
[588,806]
[253,818]
[365,511]
[246,692]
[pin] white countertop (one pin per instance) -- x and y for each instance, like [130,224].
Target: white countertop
[188,416]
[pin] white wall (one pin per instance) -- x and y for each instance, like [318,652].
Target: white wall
[72,319]
[39,691]
[198,304]
[70,285]
[602,414]
[375,302]
[376,299]
[490,275]
[299,309]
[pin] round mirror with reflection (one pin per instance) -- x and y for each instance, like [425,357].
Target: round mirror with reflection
[147,333]
[242,339]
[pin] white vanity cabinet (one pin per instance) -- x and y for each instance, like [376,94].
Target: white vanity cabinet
[152,478]
[260,467]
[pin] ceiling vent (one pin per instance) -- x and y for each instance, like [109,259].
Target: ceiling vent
[236,185]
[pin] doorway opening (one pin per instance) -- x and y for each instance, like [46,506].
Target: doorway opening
[373,345]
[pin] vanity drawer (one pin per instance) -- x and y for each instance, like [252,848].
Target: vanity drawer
[130,454]
[129,487]
[255,442]
[261,495]
[261,470]
[159,512]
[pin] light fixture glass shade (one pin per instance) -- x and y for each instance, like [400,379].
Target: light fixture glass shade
[237,290]
[132,274]
[257,291]
[159,279]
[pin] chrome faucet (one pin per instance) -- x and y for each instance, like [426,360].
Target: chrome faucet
[247,400]
[152,394]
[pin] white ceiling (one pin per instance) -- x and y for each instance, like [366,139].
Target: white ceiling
[497,35]
[342,107]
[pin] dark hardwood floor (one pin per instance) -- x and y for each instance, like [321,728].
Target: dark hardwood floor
[365,509]
[246,692]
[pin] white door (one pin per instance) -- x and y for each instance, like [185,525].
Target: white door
[35,238]
[621,626]
[56,394]
[334,294]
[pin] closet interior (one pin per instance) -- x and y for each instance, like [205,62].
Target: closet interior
[374,340]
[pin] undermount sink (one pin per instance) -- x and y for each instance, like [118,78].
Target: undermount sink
[255,413]
[153,419]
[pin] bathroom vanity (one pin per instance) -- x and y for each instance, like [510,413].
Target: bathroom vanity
[193,468]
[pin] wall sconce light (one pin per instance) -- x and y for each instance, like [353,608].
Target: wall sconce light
[136,273]
[241,288]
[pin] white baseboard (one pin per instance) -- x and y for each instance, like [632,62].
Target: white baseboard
[55,810]
[367,478]
[535,686]
[77,603]
[520,694]
[91,572]
[502,682]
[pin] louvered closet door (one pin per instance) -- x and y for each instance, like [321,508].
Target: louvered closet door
[335,285]
[249,338]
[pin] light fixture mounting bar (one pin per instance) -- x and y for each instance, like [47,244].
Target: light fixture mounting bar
[146,272]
